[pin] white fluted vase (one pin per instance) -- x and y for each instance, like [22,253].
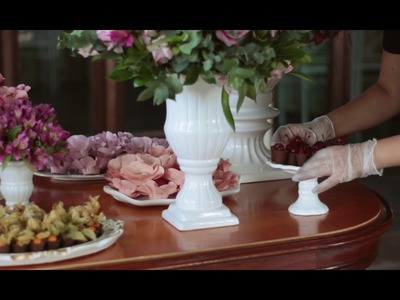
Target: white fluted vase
[248,147]
[197,132]
[16,184]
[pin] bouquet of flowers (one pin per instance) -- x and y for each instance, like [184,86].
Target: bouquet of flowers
[29,133]
[242,60]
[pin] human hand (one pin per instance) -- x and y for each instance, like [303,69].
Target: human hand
[340,163]
[319,129]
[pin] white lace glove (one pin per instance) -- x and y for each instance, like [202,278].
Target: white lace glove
[340,163]
[319,129]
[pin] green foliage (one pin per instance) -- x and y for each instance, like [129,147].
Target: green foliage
[157,58]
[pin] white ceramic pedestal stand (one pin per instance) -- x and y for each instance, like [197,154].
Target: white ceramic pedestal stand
[248,147]
[307,203]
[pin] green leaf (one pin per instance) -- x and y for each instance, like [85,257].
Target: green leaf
[179,66]
[192,75]
[7,159]
[243,73]
[12,134]
[207,65]
[161,93]
[147,93]
[174,85]
[208,77]
[226,109]
[230,63]
[302,76]
[120,74]
[242,93]
[195,39]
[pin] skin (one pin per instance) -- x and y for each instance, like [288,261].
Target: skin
[380,102]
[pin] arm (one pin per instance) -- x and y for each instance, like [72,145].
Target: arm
[377,104]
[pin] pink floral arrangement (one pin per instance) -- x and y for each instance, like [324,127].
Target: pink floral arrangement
[157,175]
[241,60]
[90,155]
[29,133]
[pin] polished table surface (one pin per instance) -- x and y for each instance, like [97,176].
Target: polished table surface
[268,236]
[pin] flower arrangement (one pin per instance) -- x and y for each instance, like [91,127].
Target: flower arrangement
[243,60]
[136,166]
[90,155]
[29,133]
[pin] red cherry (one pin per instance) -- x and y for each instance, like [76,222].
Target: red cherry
[297,139]
[340,141]
[292,147]
[279,146]
[304,150]
[318,145]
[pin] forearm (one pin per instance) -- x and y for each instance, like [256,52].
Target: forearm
[387,152]
[376,105]
[371,108]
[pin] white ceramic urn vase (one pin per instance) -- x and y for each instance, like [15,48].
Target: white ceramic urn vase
[197,132]
[16,184]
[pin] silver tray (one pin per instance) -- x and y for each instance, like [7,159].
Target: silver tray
[112,230]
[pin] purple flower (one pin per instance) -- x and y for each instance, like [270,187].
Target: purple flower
[28,132]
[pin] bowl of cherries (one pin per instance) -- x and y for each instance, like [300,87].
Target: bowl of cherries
[297,151]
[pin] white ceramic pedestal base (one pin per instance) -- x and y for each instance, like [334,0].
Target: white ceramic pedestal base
[248,147]
[190,220]
[308,203]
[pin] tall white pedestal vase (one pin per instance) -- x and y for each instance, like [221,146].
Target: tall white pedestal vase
[16,184]
[197,132]
[248,147]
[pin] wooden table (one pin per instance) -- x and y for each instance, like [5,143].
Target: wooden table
[268,237]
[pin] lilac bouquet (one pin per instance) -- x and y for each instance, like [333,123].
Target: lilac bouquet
[29,133]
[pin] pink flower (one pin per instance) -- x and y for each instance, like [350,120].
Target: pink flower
[88,51]
[148,35]
[231,37]
[161,52]
[115,39]
[122,37]
[1,78]
[281,70]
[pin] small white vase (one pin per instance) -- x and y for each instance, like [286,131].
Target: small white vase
[248,147]
[16,184]
[197,132]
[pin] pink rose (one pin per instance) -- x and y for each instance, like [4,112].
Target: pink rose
[161,52]
[122,37]
[1,78]
[115,39]
[231,37]
[281,70]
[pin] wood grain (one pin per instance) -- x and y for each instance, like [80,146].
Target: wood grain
[268,236]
